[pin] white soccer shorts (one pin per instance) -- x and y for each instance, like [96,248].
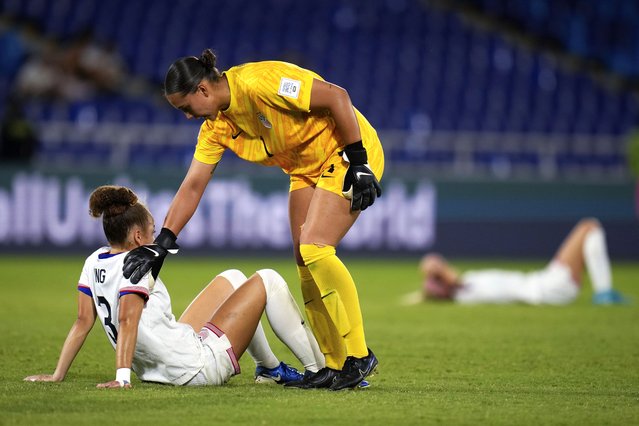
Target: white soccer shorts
[220,360]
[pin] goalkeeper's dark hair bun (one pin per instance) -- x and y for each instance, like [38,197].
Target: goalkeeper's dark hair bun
[185,74]
[120,211]
[111,200]
[208,59]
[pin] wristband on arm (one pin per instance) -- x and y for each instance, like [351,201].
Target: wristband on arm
[123,376]
[149,257]
[360,184]
[356,153]
[166,239]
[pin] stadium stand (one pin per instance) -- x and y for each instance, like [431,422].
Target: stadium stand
[605,31]
[449,94]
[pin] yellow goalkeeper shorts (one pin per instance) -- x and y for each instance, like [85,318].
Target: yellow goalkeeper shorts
[332,171]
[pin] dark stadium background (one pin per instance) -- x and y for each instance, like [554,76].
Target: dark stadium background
[503,122]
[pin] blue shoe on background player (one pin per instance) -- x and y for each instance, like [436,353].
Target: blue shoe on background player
[609,297]
[281,374]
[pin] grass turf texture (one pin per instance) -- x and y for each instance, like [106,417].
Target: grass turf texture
[439,363]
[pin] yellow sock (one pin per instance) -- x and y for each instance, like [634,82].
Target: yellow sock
[339,295]
[330,341]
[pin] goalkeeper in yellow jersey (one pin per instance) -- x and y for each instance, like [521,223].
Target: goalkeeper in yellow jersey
[278,114]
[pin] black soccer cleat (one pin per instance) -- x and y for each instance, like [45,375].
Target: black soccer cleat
[355,370]
[322,379]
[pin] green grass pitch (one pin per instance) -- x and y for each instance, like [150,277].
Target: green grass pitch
[439,363]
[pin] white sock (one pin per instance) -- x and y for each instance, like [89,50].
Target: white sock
[597,260]
[320,362]
[258,348]
[286,321]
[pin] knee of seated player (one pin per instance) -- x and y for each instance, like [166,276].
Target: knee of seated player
[211,297]
[272,279]
[234,276]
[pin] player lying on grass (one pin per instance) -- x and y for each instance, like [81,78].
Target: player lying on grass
[556,284]
[141,327]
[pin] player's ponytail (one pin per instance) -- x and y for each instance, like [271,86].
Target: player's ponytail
[120,211]
[209,59]
[111,200]
[185,74]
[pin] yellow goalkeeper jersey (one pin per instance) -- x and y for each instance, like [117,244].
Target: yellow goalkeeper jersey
[269,121]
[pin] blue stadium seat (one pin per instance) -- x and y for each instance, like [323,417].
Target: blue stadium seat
[396,59]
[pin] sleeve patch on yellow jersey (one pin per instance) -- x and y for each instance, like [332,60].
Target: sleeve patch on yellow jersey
[289,88]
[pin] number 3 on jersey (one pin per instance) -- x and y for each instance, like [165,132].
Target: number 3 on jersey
[107,321]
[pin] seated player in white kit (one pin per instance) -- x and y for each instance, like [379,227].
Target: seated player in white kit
[204,345]
[557,284]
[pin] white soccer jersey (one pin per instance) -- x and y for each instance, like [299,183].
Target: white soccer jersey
[552,285]
[166,351]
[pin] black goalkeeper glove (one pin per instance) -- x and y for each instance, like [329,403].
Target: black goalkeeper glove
[149,257]
[360,184]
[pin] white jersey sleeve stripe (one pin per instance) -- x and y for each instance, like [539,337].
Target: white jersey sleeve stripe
[143,292]
[85,289]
